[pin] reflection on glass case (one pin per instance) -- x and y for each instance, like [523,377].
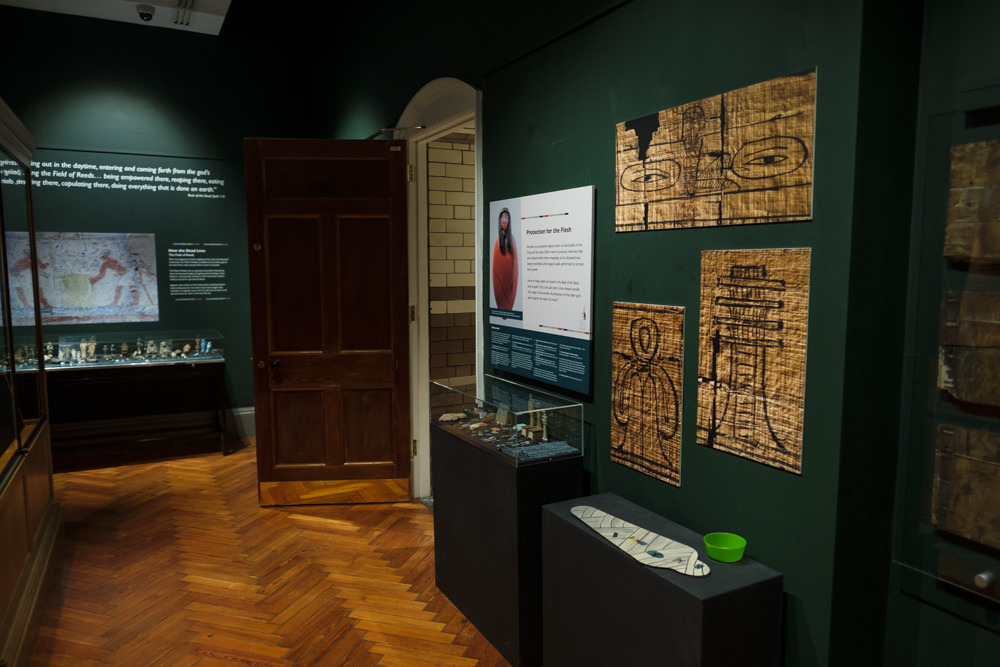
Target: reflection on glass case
[514,421]
[123,348]
[949,505]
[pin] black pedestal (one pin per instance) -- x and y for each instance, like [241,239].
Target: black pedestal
[488,537]
[602,607]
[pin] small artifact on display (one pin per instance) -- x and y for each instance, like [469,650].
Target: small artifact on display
[533,430]
[500,431]
[643,545]
[504,418]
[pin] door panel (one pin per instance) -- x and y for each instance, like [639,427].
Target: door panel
[364,425]
[366,272]
[295,285]
[299,433]
[330,315]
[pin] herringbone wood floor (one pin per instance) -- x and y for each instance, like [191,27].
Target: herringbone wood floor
[174,563]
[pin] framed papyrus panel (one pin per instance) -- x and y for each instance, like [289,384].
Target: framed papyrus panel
[647,360]
[739,158]
[752,353]
[972,232]
[966,492]
[969,354]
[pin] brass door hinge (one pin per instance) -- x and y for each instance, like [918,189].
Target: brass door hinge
[409,173]
[413,448]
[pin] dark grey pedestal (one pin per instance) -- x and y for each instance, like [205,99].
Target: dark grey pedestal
[602,607]
[488,538]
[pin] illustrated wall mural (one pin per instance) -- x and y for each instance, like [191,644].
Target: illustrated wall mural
[85,277]
[739,158]
[647,358]
[752,353]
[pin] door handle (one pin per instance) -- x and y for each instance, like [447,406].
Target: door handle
[275,363]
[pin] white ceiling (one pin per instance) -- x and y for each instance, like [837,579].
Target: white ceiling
[203,16]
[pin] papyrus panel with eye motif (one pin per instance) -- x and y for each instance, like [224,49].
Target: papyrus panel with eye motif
[743,157]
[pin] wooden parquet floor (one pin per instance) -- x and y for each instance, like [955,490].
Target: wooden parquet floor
[174,563]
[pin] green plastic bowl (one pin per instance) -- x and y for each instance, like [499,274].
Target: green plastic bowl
[725,547]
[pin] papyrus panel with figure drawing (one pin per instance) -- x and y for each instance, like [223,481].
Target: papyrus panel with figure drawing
[738,158]
[647,343]
[752,353]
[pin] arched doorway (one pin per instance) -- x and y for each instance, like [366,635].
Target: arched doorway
[444,208]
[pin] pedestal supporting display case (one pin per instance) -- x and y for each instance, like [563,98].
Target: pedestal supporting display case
[99,418]
[490,480]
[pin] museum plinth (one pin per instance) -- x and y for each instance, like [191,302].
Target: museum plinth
[107,415]
[488,537]
[602,607]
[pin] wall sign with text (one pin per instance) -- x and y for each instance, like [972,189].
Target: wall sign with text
[541,283]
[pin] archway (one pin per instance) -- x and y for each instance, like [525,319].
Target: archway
[444,207]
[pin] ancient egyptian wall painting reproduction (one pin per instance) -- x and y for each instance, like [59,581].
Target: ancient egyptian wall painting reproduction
[738,158]
[647,354]
[752,353]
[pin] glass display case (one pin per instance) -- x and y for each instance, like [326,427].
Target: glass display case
[519,423]
[123,348]
[948,508]
[22,403]
[30,519]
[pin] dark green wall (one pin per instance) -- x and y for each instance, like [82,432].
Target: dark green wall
[549,123]
[129,94]
[309,69]
[556,78]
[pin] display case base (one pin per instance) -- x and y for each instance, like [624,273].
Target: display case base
[488,537]
[601,607]
[106,415]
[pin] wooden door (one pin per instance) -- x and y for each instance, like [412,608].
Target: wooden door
[330,319]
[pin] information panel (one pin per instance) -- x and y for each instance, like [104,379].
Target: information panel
[541,280]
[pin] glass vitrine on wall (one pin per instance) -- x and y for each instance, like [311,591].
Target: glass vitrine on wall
[948,510]
[22,404]
[16,421]
[30,520]
[11,195]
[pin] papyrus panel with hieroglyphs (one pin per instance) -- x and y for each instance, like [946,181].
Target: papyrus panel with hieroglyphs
[972,232]
[738,158]
[966,494]
[969,351]
[752,353]
[647,344]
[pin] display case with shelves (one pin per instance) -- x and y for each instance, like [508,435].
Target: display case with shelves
[947,549]
[516,422]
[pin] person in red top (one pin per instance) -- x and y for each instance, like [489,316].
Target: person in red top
[504,264]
